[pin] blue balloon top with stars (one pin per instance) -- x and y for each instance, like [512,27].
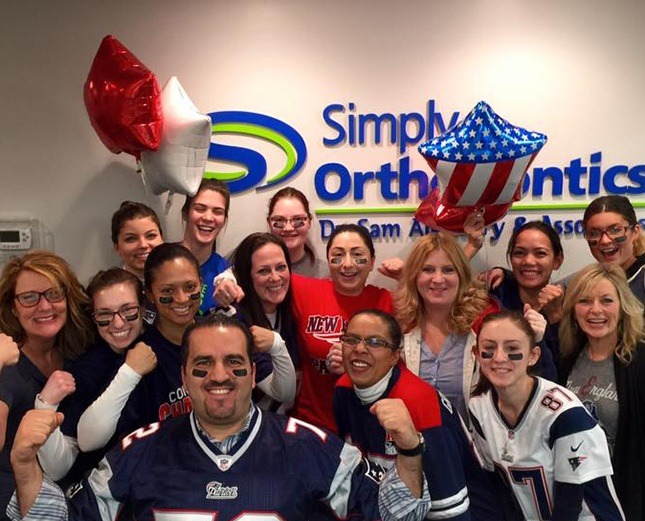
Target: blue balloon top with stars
[483,137]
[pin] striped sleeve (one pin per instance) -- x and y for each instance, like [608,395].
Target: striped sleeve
[50,504]
[396,503]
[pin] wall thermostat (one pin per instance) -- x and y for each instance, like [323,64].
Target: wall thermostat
[19,235]
[14,237]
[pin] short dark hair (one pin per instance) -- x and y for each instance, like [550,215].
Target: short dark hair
[107,278]
[393,327]
[216,320]
[166,252]
[541,226]
[128,211]
[242,261]
[352,228]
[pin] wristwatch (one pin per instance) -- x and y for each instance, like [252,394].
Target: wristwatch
[416,451]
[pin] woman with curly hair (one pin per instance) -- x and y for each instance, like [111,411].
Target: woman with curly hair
[44,309]
[438,304]
[602,347]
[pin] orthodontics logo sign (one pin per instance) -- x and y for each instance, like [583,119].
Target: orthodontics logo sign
[253,170]
[347,127]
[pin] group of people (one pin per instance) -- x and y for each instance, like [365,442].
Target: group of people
[201,384]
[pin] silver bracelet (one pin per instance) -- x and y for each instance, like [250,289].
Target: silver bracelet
[40,399]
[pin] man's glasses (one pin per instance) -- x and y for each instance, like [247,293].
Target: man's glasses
[281,222]
[616,232]
[29,299]
[371,342]
[104,318]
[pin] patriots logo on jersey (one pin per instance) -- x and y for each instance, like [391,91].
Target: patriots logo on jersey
[223,462]
[374,471]
[576,462]
[215,490]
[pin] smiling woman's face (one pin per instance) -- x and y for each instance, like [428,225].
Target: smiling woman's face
[175,290]
[206,217]
[44,320]
[438,280]
[350,263]
[112,304]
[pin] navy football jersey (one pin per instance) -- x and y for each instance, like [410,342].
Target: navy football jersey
[451,467]
[278,469]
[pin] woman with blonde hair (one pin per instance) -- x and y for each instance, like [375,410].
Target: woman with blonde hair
[602,345]
[43,308]
[439,306]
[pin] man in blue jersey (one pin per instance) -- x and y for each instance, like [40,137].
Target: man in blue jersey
[460,489]
[226,459]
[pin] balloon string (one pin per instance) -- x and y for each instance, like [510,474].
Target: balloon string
[487,264]
[171,196]
[142,173]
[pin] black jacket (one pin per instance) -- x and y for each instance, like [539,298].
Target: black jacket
[629,450]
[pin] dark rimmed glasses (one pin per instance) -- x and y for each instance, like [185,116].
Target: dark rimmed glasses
[616,232]
[371,342]
[280,223]
[29,299]
[104,318]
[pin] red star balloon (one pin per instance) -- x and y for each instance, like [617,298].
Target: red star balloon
[122,100]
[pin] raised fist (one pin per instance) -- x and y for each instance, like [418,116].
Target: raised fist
[141,358]
[59,385]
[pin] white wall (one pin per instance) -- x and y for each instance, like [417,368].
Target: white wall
[572,70]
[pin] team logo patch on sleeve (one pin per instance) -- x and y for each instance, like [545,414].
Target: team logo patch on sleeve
[576,462]
[216,490]
[374,471]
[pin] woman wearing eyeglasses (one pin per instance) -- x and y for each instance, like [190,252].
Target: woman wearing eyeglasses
[43,308]
[615,238]
[290,219]
[321,307]
[172,282]
[105,378]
